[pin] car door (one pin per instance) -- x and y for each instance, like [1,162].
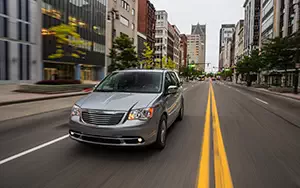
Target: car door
[169,99]
[177,96]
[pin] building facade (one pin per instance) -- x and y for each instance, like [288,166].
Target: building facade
[239,41]
[183,50]
[252,25]
[146,25]
[267,19]
[228,51]
[122,19]
[287,16]
[226,32]
[176,46]
[89,19]
[20,41]
[201,30]
[171,40]
[221,59]
[195,48]
[161,34]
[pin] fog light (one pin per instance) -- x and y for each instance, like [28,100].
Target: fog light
[140,140]
[72,133]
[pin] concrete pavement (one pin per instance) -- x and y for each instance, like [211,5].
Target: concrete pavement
[262,148]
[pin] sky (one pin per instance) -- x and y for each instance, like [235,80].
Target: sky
[213,13]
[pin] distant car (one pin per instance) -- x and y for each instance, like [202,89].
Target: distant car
[129,108]
[213,79]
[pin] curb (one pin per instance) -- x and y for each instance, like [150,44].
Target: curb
[40,99]
[263,91]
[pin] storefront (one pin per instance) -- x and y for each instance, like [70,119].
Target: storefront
[71,71]
[61,71]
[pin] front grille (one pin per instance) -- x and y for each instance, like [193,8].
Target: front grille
[101,118]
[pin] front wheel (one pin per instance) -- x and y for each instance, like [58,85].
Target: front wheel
[161,134]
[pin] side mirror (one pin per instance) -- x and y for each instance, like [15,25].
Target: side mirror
[172,90]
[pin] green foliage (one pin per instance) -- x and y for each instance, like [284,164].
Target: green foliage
[210,74]
[252,63]
[276,53]
[123,54]
[148,57]
[170,64]
[66,36]
[226,73]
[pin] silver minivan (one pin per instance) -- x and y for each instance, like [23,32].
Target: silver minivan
[129,108]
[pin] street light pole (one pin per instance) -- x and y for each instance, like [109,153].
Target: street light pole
[113,15]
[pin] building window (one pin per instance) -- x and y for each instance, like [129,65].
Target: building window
[50,11]
[24,62]
[125,5]
[3,6]
[133,11]
[3,27]
[132,26]
[23,31]
[4,67]
[98,48]
[23,13]
[124,21]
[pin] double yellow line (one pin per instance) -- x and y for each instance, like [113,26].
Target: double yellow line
[222,174]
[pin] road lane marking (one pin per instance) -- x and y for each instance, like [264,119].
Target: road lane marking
[222,171]
[261,101]
[203,176]
[33,149]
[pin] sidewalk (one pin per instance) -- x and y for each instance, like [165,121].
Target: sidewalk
[288,95]
[8,96]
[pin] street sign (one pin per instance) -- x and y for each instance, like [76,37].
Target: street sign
[297,65]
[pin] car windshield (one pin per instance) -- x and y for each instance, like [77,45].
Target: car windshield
[132,82]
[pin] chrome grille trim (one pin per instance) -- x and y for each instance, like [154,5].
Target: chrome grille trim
[101,118]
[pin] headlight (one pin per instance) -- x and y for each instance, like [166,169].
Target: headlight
[76,110]
[141,114]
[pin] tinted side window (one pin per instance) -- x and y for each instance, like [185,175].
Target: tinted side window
[168,80]
[174,78]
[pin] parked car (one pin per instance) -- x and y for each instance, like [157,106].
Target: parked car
[129,108]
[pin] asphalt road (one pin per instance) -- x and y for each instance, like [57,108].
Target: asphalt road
[260,134]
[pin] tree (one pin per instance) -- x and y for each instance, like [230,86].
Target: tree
[67,42]
[250,64]
[276,54]
[148,56]
[122,54]
[170,64]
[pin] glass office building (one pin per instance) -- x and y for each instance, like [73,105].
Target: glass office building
[89,17]
[20,55]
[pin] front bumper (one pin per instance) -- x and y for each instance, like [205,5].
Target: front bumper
[136,134]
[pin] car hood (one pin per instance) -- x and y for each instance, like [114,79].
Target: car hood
[116,101]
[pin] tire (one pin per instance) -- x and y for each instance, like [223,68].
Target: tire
[181,112]
[161,139]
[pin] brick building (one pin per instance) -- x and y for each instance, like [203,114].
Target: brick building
[183,50]
[146,25]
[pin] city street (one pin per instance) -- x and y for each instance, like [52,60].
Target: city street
[233,136]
